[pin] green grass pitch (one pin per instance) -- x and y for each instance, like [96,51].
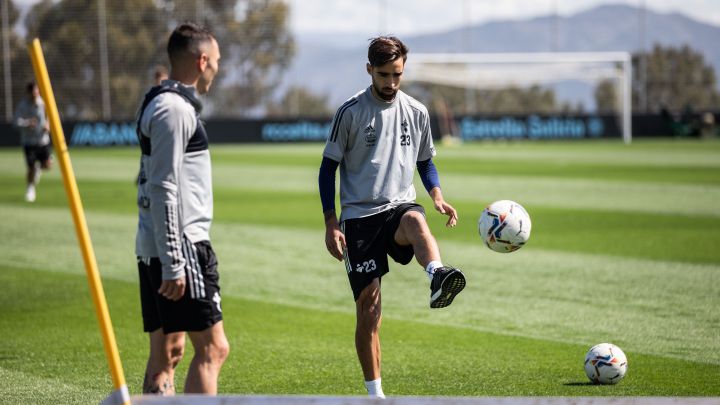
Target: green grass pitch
[625,248]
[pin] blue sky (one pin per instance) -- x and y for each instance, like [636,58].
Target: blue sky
[410,17]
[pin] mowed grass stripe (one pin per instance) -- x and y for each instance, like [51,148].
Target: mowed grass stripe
[17,387]
[285,350]
[688,162]
[671,236]
[624,198]
[650,306]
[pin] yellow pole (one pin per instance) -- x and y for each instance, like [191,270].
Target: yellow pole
[121,395]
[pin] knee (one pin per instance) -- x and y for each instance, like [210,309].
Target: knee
[414,221]
[222,351]
[369,317]
[217,351]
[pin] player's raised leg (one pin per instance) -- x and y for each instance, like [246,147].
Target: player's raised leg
[166,351]
[367,338]
[445,281]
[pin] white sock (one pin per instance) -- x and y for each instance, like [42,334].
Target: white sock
[374,388]
[430,269]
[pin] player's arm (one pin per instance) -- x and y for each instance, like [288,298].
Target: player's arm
[332,155]
[334,238]
[19,120]
[170,129]
[431,181]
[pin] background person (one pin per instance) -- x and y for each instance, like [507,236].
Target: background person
[160,74]
[31,121]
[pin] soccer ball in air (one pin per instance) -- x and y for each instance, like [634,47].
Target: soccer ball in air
[504,226]
[605,364]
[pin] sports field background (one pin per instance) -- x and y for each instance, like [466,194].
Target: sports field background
[625,248]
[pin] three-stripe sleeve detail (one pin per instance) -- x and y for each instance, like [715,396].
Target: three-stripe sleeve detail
[338,117]
[171,234]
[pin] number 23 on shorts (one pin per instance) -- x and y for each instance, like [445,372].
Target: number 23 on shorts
[367,266]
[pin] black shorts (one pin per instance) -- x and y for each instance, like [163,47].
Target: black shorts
[198,309]
[35,153]
[369,242]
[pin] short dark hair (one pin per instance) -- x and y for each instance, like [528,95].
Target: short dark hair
[29,87]
[186,39]
[386,49]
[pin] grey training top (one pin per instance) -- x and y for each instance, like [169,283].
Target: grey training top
[175,197]
[378,145]
[25,112]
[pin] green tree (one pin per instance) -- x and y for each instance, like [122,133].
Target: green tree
[256,46]
[20,67]
[677,78]
[68,31]
[300,101]
[254,39]
[509,100]
[606,96]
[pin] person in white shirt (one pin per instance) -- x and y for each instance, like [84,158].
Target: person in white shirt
[31,121]
[378,138]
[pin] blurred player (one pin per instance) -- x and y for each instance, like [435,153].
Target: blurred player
[32,123]
[160,74]
[178,270]
[378,137]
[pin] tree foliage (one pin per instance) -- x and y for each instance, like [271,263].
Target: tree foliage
[606,96]
[254,39]
[20,68]
[256,46]
[509,100]
[676,79]
[299,101]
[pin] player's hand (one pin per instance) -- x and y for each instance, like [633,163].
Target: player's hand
[172,289]
[447,209]
[443,207]
[334,238]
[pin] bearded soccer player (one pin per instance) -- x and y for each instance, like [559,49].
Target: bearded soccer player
[378,138]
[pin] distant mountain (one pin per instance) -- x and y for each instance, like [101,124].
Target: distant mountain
[336,66]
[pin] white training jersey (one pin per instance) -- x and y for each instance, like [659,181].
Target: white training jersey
[378,145]
[25,113]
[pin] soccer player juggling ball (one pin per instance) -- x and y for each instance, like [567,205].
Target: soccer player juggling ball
[378,137]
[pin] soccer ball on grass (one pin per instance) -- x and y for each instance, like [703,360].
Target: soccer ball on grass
[605,364]
[504,226]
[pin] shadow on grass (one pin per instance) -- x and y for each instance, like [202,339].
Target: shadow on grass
[579,383]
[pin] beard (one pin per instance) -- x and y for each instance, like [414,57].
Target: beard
[386,96]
